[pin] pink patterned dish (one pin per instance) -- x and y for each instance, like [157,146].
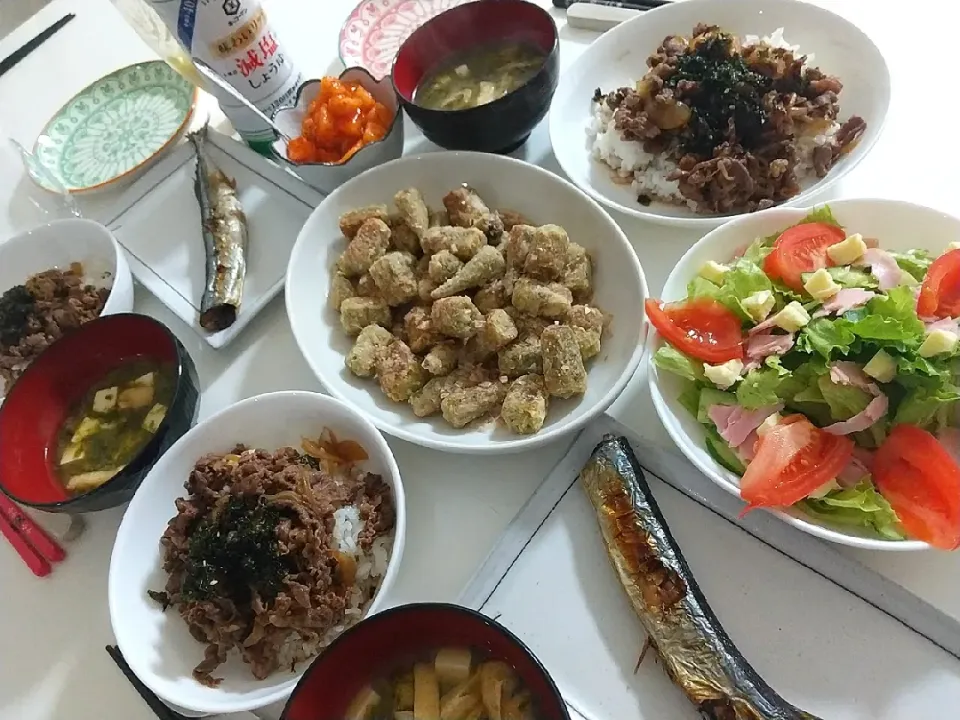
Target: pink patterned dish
[373,33]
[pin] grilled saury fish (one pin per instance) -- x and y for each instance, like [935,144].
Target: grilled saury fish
[224,238]
[696,652]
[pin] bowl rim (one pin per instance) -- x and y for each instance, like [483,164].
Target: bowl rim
[685,443]
[707,223]
[117,587]
[183,362]
[432,607]
[397,118]
[521,442]
[67,222]
[499,102]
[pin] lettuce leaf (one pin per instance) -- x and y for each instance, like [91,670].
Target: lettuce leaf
[915,262]
[760,387]
[847,276]
[890,319]
[844,401]
[927,408]
[742,280]
[672,360]
[827,337]
[860,506]
[822,214]
[689,398]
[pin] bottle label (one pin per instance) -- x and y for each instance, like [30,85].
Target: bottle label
[235,39]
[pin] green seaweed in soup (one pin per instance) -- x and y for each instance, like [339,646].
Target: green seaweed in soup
[479,76]
[111,424]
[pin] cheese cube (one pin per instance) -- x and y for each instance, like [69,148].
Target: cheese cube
[882,367]
[848,251]
[821,285]
[758,305]
[713,271]
[725,374]
[792,317]
[769,424]
[938,342]
[824,489]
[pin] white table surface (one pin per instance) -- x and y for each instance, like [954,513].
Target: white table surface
[52,663]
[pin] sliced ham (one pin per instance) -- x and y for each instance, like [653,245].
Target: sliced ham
[763,345]
[862,420]
[883,267]
[844,301]
[735,423]
[948,324]
[871,242]
[747,450]
[853,473]
[765,325]
[849,373]
[845,372]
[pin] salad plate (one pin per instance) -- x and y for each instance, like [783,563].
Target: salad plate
[819,371]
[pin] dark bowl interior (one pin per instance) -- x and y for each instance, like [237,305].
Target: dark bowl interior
[499,126]
[380,643]
[37,405]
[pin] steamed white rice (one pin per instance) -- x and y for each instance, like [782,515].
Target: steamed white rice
[647,173]
[371,567]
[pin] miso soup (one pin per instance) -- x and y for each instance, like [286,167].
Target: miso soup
[112,423]
[454,683]
[479,76]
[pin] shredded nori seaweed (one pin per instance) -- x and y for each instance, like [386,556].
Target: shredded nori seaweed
[234,553]
[16,306]
[726,89]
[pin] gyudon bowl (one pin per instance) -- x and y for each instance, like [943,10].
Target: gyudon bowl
[302,542]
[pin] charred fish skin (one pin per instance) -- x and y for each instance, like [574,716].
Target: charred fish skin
[696,652]
[224,228]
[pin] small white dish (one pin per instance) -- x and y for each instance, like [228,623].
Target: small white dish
[327,177]
[899,226]
[157,644]
[618,58]
[157,221]
[503,183]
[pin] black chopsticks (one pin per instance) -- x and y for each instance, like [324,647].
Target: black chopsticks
[31,45]
[628,4]
[159,709]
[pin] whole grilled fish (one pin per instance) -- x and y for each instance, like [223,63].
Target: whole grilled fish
[696,651]
[224,238]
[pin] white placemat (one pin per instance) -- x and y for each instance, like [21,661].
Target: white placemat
[832,636]
[157,221]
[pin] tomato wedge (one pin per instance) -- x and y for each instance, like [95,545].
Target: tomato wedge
[940,291]
[793,459]
[702,328]
[921,481]
[801,249]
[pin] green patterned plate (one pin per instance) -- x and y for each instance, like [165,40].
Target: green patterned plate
[113,129]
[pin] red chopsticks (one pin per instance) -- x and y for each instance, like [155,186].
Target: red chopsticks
[32,543]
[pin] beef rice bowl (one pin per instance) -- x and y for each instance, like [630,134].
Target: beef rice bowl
[723,124]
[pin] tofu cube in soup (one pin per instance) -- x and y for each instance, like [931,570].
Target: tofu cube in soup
[525,405]
[135,396]
[399,372]
[151,423]
[358,312]
[456,317]
[362,358]
[351,220]
[369,244]
[563,370]
[105,401]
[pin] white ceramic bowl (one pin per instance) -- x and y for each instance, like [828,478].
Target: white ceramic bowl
[504,183]
[157,644]
[618,58]
[898,225]
[59,243]
[327,177]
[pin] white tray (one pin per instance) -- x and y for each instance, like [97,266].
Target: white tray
[157,221]
[830,635]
